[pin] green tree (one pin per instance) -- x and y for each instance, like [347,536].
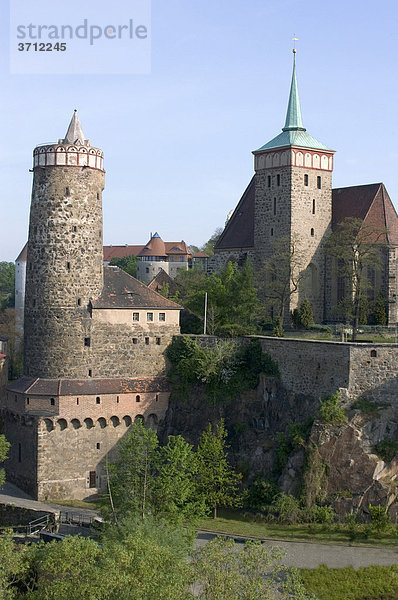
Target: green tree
[208,246]
[280,277]
[357,248]
[7,285]
[330,410]
[218,482]
[14,567]
[306,314]
[379,310]
[132,481]
[4,447]
[127,263]
[225,572]
[175,483]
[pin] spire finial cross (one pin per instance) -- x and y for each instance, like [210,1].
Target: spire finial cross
[295,39]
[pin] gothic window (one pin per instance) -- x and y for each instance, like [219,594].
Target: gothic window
[79,301]
[319,182]
[305,179]
[313,207]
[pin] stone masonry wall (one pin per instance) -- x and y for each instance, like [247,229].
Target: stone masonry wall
[219,260]
[64,267]
[21,464]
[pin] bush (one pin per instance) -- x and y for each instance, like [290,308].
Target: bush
[306,314]
[380,520]
[387,449]
[295,436]
[278,328]
[321,514]
[331,412]
[288,510]
[366,406]
[261,493]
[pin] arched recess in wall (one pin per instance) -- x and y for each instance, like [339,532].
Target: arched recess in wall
[115,421]
[89,423]
[62,424]
[75,423]
[152,421]
[310,282]
[101,422]
[49,424]
[139,418]
[127,420]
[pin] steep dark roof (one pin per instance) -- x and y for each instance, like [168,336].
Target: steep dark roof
[160,280]
[22,256]
[239,231]
[92,386]
[123,291]
[370,203]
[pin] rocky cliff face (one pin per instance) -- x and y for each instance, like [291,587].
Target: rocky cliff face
[353,475]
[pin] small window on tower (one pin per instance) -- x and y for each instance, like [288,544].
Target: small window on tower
[87,342]
[278,180]
[305,179]
[77,401]
[312,232]
[90,373]
[98,446]
[158,341]
[67,192]
[272,231]
[147,341]
[98,400]
[79,301]
[137,399]
[269,181]
[146,269]
[313,207]
[319,182]
[74,228]
[274,206]
[68,266]
[98,196]
[34,303]
[52,402]
[19,452]
[135,340]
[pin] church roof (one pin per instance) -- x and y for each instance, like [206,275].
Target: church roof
[121,290]
[75,132]
[370,203]
[294,133]
[239,231]
[121,251]
[23,255]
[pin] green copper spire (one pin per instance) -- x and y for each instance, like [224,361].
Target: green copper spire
[294,120]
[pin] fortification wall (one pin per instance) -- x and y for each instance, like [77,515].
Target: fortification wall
[21,464]
[3,377]
[318,367]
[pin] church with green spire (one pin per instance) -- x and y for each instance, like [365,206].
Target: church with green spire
[290,208]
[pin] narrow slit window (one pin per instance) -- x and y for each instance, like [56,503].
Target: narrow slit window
[313,206]
[98,400]
[274,206]
[312,232]
[19,452]
[117,399]
[52,402]
[269,181]
[135,340]
[305,179]
[147,341]
[79,301]
[98,446]
[87,342]
[272,231]
[278,180]
[77,401]
[319,182]
[90,373]
[67,191]
[158,341]
[68,266]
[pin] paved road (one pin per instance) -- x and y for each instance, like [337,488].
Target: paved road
[310,555]
[10,494]
[298,554]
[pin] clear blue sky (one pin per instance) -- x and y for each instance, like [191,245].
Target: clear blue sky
[178,142]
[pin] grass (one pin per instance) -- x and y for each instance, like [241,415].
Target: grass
[90,504]
[234,523]
[365,583]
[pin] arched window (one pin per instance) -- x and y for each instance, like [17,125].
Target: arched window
[89,423]
[138,398]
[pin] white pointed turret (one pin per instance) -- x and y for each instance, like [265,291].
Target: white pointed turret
[75,134]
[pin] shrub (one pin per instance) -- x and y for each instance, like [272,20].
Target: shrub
[288,509]
[321,514]
[261,493]
[380,519]
[278,328]
[366,406]
[386,449]
[295,436]
[306,314]
[330,410]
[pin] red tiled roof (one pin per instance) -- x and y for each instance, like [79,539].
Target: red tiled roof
[239,231]
[160,280]
[92,386]
[120,251]
[200,255]
[121,290]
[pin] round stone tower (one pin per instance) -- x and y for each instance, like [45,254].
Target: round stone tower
[65,255]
